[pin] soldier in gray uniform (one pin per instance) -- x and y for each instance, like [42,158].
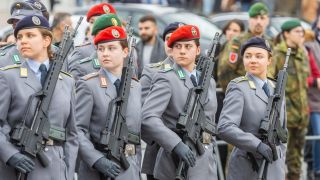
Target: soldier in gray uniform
[82,67]
[164,103]
[9,54]
[85,50]
[243,109]
[17,84]
[145,81]
[94,93]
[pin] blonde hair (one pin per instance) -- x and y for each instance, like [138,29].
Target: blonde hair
[45,32]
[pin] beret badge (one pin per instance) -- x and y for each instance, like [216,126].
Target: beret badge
[106,9]
[115,33]
[194,31]
[36,20]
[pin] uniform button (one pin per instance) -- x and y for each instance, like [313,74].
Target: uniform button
[206,147]
[46,149]
[2,54]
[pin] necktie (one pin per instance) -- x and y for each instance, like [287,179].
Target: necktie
[266,89]
[44,72]
[194,80]
[117,85]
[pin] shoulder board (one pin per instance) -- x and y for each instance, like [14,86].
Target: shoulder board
[84,44]
[84,60]
[70,75]
[165,68]
[3,49]
[156,65]
[10,67]
[240,79]
[89,76]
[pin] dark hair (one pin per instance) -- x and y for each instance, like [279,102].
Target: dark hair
[124,44]
[237,21]
[45,32]
[148,18]
[196,41]
[58,18]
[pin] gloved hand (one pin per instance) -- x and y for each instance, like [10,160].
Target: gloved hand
[185,153]
[21,162]
[265,151]
[107,167]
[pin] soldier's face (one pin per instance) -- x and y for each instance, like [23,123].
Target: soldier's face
[32,44]
[258,24]
[91,22]
[111,55]
[233,30]
[256,60]
[295,37]
[147,30]
[167,49]
[185,53]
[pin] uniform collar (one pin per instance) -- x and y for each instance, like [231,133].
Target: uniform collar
[110,76]
[257,80]
[34,65]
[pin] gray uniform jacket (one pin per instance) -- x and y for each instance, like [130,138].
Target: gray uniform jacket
[243,109]
[84,66]
[79,52]
[94,92]
[17,83]
[148,72]
[10,55]
[160,113]
[158,53]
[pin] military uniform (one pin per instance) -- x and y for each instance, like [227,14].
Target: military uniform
[94,93]
[145,81]
[296,101]
[243,109]
[160,112]
[230,64]
[17,84]
[80,52]
[85,66]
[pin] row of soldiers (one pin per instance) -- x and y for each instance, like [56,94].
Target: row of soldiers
[79,113]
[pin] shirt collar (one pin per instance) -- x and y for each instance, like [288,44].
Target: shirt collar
[34,65]
[110,76]
[193,72]
[257,80]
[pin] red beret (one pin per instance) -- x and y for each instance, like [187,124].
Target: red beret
[113,33]
[99,9]
[184,33]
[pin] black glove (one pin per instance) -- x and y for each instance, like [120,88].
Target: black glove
[21,162]
[185,153]
[107,167]
[265,151]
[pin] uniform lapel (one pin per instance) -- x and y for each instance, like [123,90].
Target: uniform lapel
[182,76]
[31,80]
[258,90]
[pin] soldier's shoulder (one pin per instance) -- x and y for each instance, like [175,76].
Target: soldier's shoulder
[164,68]
[90,76]
[10,67]
[5,49]
[83,45]
[240,79]
[155,65]
[66,74]
[85,60]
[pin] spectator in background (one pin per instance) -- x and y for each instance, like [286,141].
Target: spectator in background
[60,20]
[232,29]
[150,48]
[313,50]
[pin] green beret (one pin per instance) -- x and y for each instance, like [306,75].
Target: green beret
[104,21]
[258,9]
[290,24]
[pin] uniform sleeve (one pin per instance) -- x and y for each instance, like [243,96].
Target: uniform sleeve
[84,106]
[153,128]
[145,82]
[6,148]
[230,120]
[73,58]
[72,144]
[76,71]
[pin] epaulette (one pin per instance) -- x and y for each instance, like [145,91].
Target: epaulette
[68,74]
[166,68]
[89,76]
[10,67]
[156,65]
[240,79]
[84,60]
[2,49]
[84,44]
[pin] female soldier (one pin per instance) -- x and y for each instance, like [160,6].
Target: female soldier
[94,93]
[243,109]
[17,84]
[166,100]
[292,36]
